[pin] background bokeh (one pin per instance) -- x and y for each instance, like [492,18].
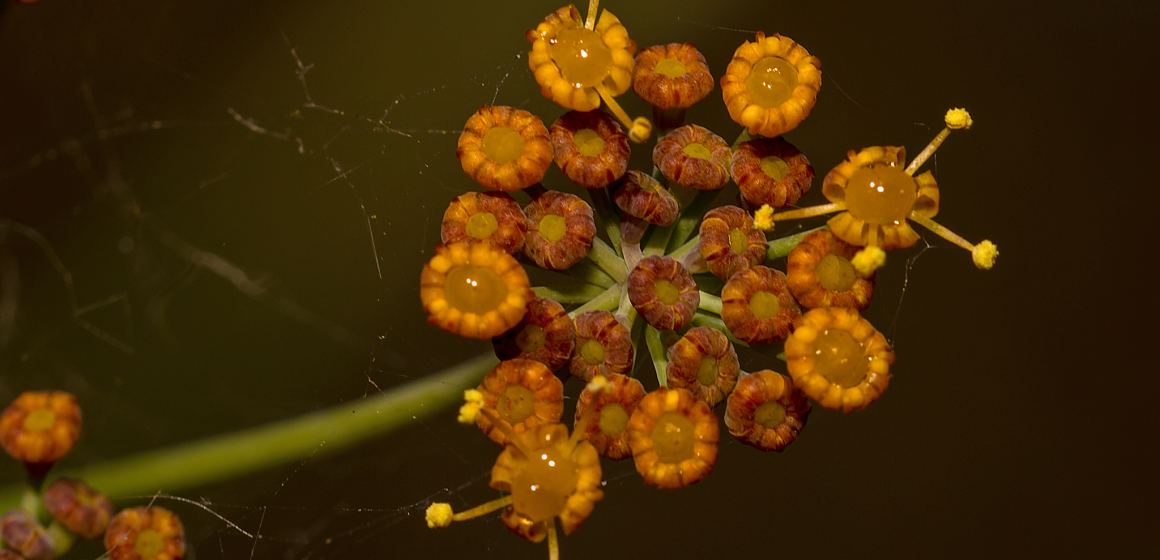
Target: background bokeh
[1018,422]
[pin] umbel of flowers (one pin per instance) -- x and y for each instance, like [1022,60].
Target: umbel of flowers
[38,429]
[669,273]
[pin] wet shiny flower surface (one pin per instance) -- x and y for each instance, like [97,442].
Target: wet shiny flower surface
[879,197]
[40,426]
[771,85]
[572,61]
[476,291]
[673,437]
[838,358]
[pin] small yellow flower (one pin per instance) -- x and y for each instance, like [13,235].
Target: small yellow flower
[603,346]
[673,75]
[730,242]
[438,515]
[611,409]
[705,363]
[561,228]
[757,306]
[984,254]
[40,426]
[663,291]
[476,291]
[493,218]
[838,358]
[545,334]
[504,148]
[958,119]
[771,171]
[771,85]
[589,147]
[673,437]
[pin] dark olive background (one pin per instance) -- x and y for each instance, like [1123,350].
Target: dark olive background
[1018,420]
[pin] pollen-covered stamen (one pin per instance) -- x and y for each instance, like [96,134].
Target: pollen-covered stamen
[771,81]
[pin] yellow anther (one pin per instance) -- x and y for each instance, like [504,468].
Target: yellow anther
[599,384]
[640,131]
[763,218]
[438,515]
[869,259]
[958,119]
[470,409]
[984,254]
[473,396]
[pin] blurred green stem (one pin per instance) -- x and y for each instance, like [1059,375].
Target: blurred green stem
[227,456]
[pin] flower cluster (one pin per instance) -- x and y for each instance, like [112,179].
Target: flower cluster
[671,273]
[39,428]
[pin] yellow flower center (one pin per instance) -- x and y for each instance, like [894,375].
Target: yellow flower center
[39,420]
[482,225]
[774,167]
[673,438]
[553,227]
[835,272]
[149,543]
[697,150]
[613,419]
[581,55]
[502,144]
[588,142]
[738,241]
[770,414]
[839,358]
[771,82]
[530,339]
[881,194]
[541,490]
[671,68]
[474,289]
[516,404]
[666,291]
[764,305]
[707,372]
[592,351]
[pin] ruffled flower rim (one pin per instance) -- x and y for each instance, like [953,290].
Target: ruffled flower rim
[855,231]
[755,390]
[641,196]
[708,171]
[525,170]
[615,345]
[554,85]
[804,282]
[705,434]
[539,384]
[495,213]
[717,241]
[579,230]
[801,359]
[40,427]
[737,306]
[623,391]
[664,92]
[547,327]
[757,186]
[644,285]
[512,463]
[687,355]
[160,527]
[589,171]
[773,121]
[510,309]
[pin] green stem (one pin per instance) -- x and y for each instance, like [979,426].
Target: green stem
[607,301]
[691,217]
[779,248]
[656,349]
[710,302]
[607,213]
[571,293]
[680,252]
[702,319]
[232,455]
[590,273]
[608,259]
[658,240]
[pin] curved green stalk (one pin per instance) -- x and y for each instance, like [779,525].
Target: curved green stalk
[608,259]
[227,456]
[587,271]
[571,293]
[607,300]
[781,247]
[607,213]
[710,302]
[656,349]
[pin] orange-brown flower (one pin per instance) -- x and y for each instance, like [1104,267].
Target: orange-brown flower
[6,554]
[40,426]
[571,62]
[548,476]
[523,395]
[757,307]
[612,408]
[766,411]
[78,507]
[145,533]
[730,243]
[705,363]
[641,196]
[663,291]
[545,334]
[477,291]
[838,358]
[21,533]
[673,437]
[494,218]
[771,171]
[771,85]
[589,147]
[560,230]
[673,75]
[820,273]
[603,346]
[878,197]
[504,148]
[694,157]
